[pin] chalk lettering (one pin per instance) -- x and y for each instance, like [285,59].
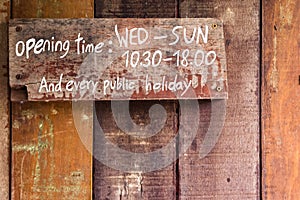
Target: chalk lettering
[135,36]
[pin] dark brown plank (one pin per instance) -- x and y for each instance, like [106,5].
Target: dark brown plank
[280,100]
[110,183]
[49,161]
[4,103]
[136,8]
[231,169]
[204,81]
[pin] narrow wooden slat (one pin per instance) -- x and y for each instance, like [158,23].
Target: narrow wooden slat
[4,104]
[49,160]
[280,100]
[231,169]
[113,184]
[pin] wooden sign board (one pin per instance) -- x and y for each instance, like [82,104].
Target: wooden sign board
[104,59]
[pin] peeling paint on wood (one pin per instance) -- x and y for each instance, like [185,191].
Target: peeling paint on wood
[4,103]
[49,160]
[280,100]
[204,82]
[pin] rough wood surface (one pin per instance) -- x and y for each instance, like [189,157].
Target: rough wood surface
[136,8]
[49,160]
[206,81]
[231,169]
[4,104]
[155,185]
[280,100]
[114,184]
[52,9]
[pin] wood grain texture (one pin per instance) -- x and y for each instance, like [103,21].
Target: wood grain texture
[4,103]
[110,183]
[206,81]
[114,184]
[280,100]
[49,160]
[231,169]
[52,9]
[136,8]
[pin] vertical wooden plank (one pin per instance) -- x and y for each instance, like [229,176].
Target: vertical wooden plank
[110,183]
[52,9]
[4,104]
[231,169]
[280,99]
[49,160]
[113,184]
[136,8]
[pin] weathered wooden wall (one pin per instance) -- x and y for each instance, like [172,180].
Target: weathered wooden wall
[4,103]
[231,170]
[280,100]
[48,159]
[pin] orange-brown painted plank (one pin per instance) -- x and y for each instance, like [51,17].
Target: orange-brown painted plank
[49,161]
[231,169]
[280,100]
[4,103]
[52,9]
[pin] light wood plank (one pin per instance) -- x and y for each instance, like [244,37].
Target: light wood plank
[280,100]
